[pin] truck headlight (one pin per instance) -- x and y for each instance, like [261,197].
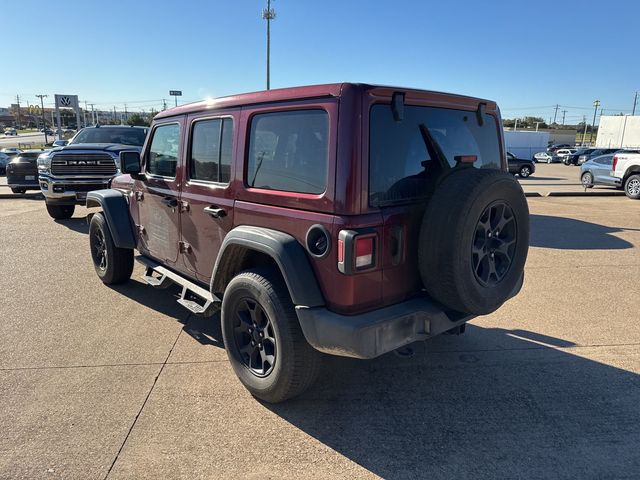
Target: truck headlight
[44,163]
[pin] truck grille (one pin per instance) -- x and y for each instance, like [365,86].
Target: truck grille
[88,164]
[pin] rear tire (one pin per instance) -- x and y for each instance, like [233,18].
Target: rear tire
[279,364]
[60,212]
[632,187]
[474,240]
[112,264]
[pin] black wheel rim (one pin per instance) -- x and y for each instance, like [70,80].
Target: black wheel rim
[254,337]
[99,249]
[494,244]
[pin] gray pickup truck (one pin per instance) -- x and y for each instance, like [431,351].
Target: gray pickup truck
[88,162]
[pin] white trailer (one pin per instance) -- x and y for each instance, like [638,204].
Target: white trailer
[619,131]
[525,144]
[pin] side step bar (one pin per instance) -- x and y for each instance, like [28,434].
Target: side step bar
[161,277]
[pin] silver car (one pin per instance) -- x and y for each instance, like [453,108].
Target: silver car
[597,171]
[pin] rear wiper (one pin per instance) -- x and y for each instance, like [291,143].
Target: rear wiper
[435,152]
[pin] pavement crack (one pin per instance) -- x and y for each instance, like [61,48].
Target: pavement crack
[135,420]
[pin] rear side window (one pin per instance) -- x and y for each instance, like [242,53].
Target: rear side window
[288,151]
[211,148]
[163,152]
[400,167]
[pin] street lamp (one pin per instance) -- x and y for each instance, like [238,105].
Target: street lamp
[596,104]
[268,14]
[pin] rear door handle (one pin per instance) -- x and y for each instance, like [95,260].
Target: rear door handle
[216,212]
[170,202]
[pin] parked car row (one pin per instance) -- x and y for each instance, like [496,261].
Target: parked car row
[620,169]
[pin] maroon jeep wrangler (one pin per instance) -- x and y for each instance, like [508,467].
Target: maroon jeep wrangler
[347,219]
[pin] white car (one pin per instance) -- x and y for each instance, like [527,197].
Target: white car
[10,132]
[563,152]
[626,169]
[543,157]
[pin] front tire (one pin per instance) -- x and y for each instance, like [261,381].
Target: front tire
[632,187]
[587,180]
[263,338]
[525,172]
[60,212]
[112,264]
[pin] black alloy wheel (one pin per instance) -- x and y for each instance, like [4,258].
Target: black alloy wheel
[494,244]
[98,249]
[254,337]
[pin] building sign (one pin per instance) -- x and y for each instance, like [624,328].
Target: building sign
[175,93]
[66,101]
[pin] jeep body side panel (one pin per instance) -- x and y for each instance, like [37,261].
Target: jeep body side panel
[115,207]
[284,250]
[202,230]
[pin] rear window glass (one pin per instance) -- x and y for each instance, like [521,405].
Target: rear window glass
[288,151]
[120,135]
[211,149]
[400,167]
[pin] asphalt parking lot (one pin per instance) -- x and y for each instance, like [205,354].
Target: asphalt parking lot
[99,382]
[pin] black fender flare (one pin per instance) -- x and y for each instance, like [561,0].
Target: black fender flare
[284,249]
[115,207]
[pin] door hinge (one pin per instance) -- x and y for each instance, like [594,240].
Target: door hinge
[141,229]
[184,247]
[139,196]
[184,206]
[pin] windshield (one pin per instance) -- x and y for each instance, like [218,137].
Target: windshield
[123,136]
[400,166]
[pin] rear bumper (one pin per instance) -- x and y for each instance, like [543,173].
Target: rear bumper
[375,333]
[64,191]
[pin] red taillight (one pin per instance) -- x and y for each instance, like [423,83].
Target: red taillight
[340,250]
[615,162]
[364,252]
[356,250]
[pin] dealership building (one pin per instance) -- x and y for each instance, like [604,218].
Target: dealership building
[619,131]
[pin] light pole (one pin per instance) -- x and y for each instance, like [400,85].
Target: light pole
[635,100]
[268,14]
[44,123]
[596,104]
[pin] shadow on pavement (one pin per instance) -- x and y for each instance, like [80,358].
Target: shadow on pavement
[569,233]
[77,224]
[205,330]
[487,404]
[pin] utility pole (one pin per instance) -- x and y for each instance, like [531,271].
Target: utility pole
[164,104]
[564,112]
[85,113]
[596,104]
[18,102]
[126,115]
[268,14]
[556,113]
[93,113]
[635,101]
[44,123]
[584,134]
[515,126]
[115,116]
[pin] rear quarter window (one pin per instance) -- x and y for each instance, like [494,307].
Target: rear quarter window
[400,166]
[288,151]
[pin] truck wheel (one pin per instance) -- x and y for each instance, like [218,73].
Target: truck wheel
[632,187]
[587,180]
[263,338]
[474,240]
[60,212]
[112,264]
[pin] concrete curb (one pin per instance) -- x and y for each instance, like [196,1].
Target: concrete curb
[37,196]
[588,193]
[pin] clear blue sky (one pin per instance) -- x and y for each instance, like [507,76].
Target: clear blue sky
[527,55]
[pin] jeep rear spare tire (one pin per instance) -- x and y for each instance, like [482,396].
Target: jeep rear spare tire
[474,240]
